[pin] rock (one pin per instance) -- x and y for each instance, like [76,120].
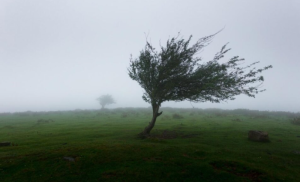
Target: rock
[71,159]
[166,134]
[259,136]
[3,144]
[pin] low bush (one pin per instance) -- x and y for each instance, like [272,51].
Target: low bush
[296,121]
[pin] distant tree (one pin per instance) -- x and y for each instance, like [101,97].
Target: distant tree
[105,100]
[174,74]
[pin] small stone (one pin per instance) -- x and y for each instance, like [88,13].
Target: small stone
[3,144]
[71,159]
[259,136]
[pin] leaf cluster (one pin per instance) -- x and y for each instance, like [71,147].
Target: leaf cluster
[174,73]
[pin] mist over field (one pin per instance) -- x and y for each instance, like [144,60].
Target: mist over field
[88,90]
[63,55]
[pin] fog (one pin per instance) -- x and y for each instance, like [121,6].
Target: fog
[63,55]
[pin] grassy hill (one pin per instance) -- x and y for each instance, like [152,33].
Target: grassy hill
[185,145]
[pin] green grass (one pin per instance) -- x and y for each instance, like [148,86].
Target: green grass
[210,145]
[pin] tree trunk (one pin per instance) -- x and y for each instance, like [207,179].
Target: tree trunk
[155,114]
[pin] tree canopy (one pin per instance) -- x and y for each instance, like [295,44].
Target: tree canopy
[175,74]
[105,100]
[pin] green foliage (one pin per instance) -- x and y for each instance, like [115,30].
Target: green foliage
[106,100]
[174,73]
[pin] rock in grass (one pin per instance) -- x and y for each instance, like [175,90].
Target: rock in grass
[3,144]
[71,159]
[259,136]
[296,152]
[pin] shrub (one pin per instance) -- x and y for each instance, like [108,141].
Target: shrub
[296,121]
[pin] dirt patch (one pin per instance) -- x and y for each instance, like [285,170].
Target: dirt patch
[192,135]
[110,174]
[153,159]
[238,170]
[172,134]
[168,134]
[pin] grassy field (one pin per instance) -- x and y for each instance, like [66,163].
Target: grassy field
[202,145]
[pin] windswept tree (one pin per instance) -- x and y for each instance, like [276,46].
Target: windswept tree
[105,100]
[175,74]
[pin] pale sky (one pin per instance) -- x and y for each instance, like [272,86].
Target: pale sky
[63,54]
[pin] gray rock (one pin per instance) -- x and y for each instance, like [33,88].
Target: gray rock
[3,144]
[71,159]
[259,136]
